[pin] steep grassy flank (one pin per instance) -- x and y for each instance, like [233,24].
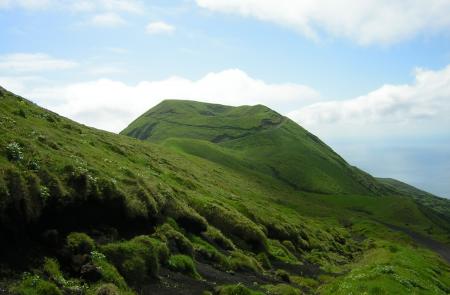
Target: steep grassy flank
[83,211]
[254,140]
[257,138]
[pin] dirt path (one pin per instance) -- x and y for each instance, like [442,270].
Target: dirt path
[424,241]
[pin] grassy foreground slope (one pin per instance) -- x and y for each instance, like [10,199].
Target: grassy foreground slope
[83,211]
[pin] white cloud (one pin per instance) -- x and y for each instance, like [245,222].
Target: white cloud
[26,62]
[112,105]
[420,108]
[109,19]
[121,5]
[367,22]
[159,28]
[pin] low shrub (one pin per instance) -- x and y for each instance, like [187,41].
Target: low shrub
[184,264]
[175,240]
[393,248]
[303,244]
[110,289]
[264,260]
[286,232]
[282,275]
[52,270]
[135,208]
[305,283]
[235,290]
[35,285]
[20,112]
[107,289]
[215,236]
[209,253]
[141,204]
[33,165]
[161,248]
[135,259]
[289,245]
[79,243]
[108,271]
[56,189]
[14,152]
[82,180]
[37,195]
[185,216]
[282,289]
[134,269]
[20,207]
[278,251]
[241,261]
[235,225]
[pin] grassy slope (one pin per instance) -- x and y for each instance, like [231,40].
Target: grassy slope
[119,185]
[439,205]
[257,138]
[254,140]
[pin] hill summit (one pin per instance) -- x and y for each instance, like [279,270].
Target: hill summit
[255,138]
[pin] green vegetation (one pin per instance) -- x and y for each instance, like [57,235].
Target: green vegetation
[282,289]
[235,290]
[440,206]
[244,138]
[79,243]
[89,212]
[241,261]
[208,252]
[108,272]
[135,259]
[175,240]
[34,285]
[391,268]
[184,264]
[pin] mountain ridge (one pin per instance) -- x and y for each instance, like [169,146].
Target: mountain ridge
[298,144]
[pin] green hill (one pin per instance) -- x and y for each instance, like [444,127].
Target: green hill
[84,211]
[435,207]
[252,137]
[257,141]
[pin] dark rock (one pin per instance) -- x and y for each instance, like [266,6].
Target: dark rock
[50,238]
[90,272]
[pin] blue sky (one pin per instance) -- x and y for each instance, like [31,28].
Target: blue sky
[369,77]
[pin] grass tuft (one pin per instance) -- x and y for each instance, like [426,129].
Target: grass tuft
[184,264]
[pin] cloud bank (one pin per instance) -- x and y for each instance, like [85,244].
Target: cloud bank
[366,22]
[421,107]
[112,105]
